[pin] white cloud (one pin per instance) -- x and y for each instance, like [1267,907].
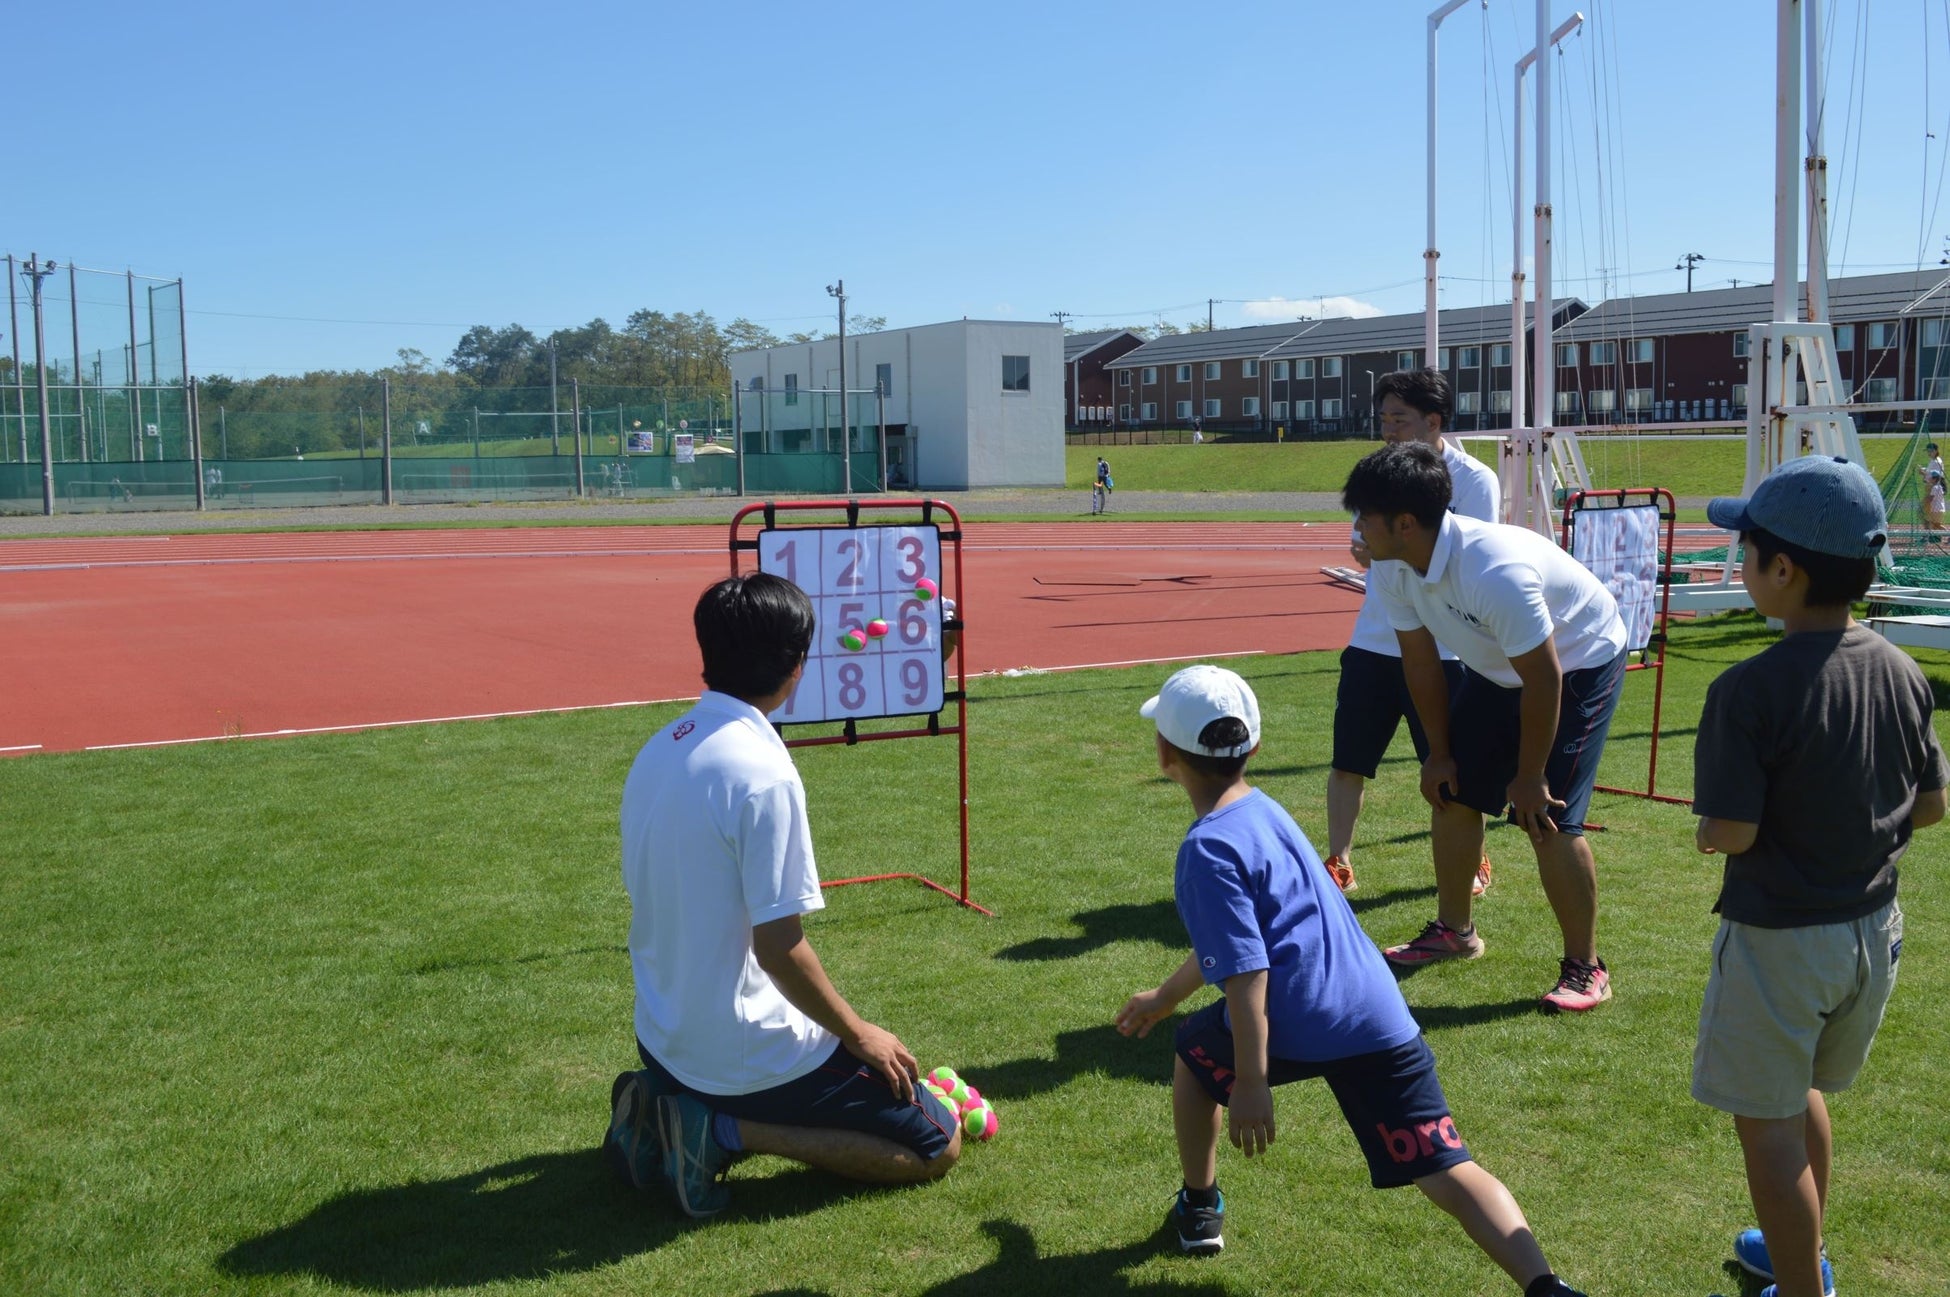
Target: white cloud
[1320,308]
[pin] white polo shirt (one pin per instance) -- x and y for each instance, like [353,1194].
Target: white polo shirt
[1494,592]
[715,841]
[1474,492]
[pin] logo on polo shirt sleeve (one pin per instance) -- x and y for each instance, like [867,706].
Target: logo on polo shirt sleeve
[682,730]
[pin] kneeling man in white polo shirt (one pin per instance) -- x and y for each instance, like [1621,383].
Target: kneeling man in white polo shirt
[746,1045]
[1543,653]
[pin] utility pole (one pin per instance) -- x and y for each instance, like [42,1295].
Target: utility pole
[1686,263]
[838,289]
[554,406]
[35,271]
[1208,314]
[1061,317]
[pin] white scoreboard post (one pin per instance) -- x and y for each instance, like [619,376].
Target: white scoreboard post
[1617,535]
[856,573]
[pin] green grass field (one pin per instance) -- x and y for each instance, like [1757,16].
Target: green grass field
[1689,469]
[340,1014]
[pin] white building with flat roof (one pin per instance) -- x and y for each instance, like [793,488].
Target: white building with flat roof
[968,403]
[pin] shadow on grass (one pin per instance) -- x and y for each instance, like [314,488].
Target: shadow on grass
[1098,1051]
[1018,1267]
[526,1219]
[535,957]
[1367,900]
[1155,922]
[1441,1017]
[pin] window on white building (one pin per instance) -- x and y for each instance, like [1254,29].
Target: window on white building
[1015,373]
[883,379]
[792,389]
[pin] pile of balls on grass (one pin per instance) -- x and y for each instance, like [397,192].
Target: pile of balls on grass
[977,1117]
[855,638]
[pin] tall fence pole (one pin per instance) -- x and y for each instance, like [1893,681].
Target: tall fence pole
[74,325]
[880,418]
[575,411]
[37,270]
[738,435]
[386,441]
[193,416]
[135,381]
[13,332]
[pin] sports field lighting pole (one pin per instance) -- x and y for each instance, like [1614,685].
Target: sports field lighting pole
[34,272]
[838,289]
[554,405]
[1430,255]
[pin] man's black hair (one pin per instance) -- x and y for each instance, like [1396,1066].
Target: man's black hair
[753,629]
[1424,390]
[1409,478]
[1833,581]
[1226,732]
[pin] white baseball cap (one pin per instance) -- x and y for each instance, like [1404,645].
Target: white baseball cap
[1195,697]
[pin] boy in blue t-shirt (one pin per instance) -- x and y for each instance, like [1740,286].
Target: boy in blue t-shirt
[1306,994]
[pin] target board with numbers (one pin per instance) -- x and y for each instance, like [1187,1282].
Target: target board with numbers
[855,576]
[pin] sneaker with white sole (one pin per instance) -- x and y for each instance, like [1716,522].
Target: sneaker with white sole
[693,1163]
[1580,986]
[1341,872]
[1481,883]
[1201,1230]
[1436,942]
[1750,1250]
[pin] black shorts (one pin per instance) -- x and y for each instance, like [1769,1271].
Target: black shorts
[1391,1098]
[842,1093]
[1370,705]
[1485,729]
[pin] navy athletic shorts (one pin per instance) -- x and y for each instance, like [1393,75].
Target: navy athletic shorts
[1485,727]
[842,1093]
[1391,1098]
[1370,705]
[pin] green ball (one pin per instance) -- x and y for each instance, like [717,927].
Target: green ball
[944,1077]
[976,1120]
[960,1092]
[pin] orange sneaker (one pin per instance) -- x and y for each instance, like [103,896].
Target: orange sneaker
[1341,872]
[1481,883]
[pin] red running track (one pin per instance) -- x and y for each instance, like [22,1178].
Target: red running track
[111,641]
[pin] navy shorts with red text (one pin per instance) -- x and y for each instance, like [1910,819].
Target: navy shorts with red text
[842,1093]
[1391,1098]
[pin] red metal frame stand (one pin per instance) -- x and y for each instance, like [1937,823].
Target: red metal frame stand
[768,513]
[1639,497]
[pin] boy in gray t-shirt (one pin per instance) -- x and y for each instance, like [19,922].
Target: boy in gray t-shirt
[1815,761]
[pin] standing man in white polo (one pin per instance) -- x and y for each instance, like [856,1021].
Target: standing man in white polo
[1372,699]
[1543,652]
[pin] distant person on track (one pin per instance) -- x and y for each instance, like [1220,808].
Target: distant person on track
[1373,701]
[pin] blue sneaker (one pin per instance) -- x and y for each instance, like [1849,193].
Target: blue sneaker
[632,1143]
[693,1163]
[1750,1250]
[1201,1230]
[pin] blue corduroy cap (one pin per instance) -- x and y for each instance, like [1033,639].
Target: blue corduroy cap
[1819,502]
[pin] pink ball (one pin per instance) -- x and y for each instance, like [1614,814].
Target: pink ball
[925,589]
[877,627]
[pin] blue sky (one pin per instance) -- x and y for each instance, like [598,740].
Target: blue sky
[335,182]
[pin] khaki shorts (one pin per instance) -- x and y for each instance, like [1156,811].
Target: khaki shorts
[1788,1010]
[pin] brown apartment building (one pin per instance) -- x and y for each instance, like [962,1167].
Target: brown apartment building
[1315,378]
[1087,400]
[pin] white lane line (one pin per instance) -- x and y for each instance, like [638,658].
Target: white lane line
[24,747]
[383,725]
